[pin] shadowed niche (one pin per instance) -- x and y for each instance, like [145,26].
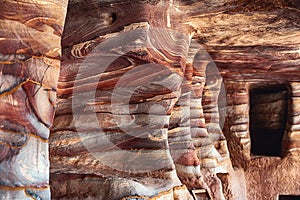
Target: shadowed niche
[289,197]
[268,115]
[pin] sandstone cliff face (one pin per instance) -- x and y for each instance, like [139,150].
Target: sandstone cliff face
[256,48]
[155,99]
[30,35]
[129,87]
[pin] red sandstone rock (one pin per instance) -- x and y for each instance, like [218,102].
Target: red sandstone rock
[29,67]
[141,104]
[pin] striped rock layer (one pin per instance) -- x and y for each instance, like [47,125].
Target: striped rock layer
[129,114]
[30,51]
[155,99]
[255,45]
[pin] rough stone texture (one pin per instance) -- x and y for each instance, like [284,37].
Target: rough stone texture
[30,35]
[251,43]
[141,104]
[254,43]
[117,89]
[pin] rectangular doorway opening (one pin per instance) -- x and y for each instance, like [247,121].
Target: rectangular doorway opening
[288,197]
[268,116]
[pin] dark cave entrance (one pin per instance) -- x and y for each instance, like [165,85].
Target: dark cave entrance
[268,115]
[288,197]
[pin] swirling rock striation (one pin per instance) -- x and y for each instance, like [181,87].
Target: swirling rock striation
[29,68]
[141,104]
[255,44]
[118,85]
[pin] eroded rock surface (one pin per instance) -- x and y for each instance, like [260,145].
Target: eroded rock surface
[155,99]
[30,36]
[253,44]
